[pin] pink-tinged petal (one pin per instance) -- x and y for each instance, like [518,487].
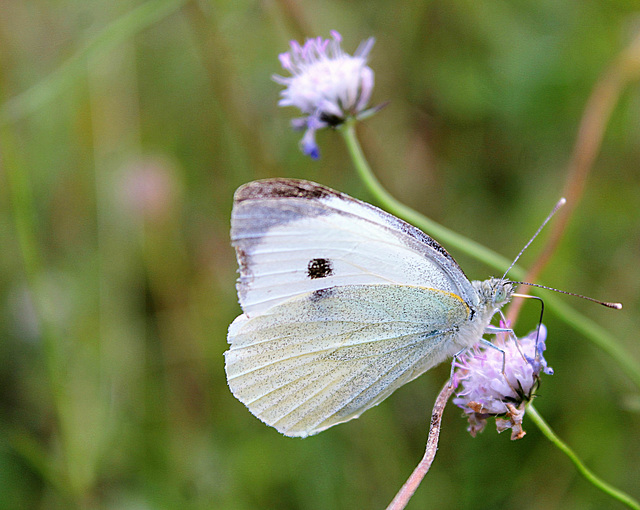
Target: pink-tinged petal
[285,60]
[364,48]
[366,79]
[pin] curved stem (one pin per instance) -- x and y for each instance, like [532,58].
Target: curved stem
[582,469]
[480,252]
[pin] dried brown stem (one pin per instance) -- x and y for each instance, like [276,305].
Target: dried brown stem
[409,488]
[596,115]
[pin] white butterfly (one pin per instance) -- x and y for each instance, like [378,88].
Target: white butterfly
[343,303]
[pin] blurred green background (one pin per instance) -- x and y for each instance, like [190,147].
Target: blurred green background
[127,125]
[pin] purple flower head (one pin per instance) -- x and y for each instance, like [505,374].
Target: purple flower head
[327,85]
[488,391]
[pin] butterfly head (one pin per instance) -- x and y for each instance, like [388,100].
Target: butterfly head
[494,292]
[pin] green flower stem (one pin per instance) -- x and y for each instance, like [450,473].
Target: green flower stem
[443,234]
[584,471]
[587,327]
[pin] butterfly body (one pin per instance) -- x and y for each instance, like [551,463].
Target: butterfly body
[343,303]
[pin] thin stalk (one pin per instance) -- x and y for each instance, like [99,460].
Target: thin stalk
[411,485]
[582,469]
[443,234]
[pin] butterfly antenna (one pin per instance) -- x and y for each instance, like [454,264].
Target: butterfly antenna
[560,203]
[617,306]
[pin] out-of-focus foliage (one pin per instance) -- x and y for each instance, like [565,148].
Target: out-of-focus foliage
[112,386]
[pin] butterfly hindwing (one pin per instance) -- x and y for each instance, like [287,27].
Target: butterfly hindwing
[293,237]
[324,357]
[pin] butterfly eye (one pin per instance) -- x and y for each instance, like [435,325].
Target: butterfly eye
[500,295]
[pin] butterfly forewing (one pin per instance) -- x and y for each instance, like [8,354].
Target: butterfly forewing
[324,357]
[293,237]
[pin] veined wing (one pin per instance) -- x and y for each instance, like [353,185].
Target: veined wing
[293,237]
[325,357]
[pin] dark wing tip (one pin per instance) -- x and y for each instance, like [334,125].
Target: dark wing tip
[283,188]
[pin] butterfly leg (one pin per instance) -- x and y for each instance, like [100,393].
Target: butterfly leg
[454,365]
[494,330]
[513,335]
[538,353]
[489,330]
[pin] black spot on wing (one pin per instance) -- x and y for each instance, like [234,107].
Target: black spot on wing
[257,209]
[319,268]
[283,188]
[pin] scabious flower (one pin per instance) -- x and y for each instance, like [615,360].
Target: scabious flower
[326,84]
[488,391]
